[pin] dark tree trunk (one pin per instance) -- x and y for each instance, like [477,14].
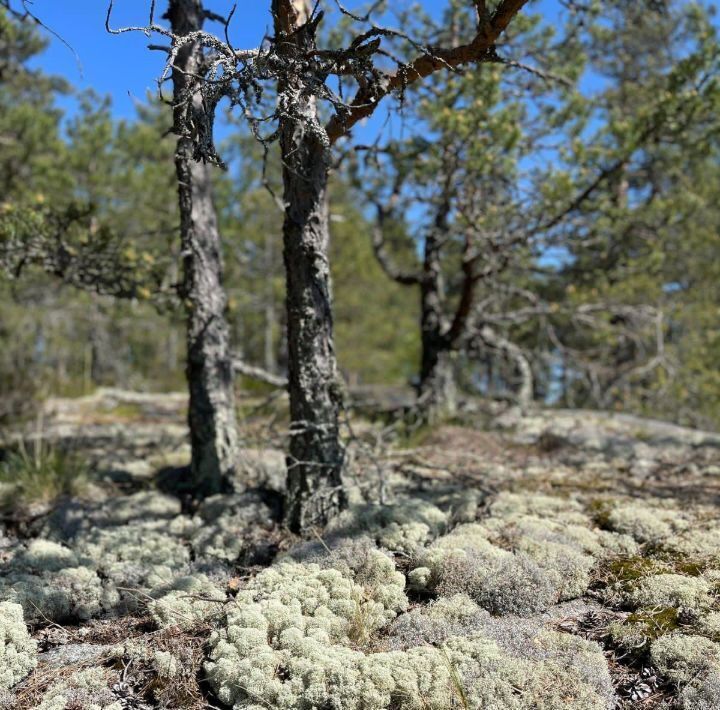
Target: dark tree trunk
[211,414]
[438,392]
[438,389]
[315,461]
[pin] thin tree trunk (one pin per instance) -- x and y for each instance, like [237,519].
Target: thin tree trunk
[438,397]
[101,351]
[211,413]
[315,461]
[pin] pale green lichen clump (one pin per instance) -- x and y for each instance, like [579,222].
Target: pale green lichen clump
[669,590]
[531,553]
[682,658]
[300,636]
[709,625]
[50,580]
[138,555]
[186,602]
[88,689]
[465,561]
[703,692]
[18,652]
[301,619]
[536,648]
[644,523]
[404,526]
[83,579]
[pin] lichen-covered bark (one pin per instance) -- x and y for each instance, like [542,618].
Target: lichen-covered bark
[315,460]
[211,413]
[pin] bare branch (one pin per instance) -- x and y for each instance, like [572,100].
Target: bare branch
[402,277]
[257,373]
[495,340]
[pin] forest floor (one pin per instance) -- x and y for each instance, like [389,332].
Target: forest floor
[562,559]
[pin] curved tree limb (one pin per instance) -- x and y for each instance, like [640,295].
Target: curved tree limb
[257,373]
[481,48]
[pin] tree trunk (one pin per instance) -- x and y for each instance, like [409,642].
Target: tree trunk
[437,398]
[211,413]
[438,389]
[315,461]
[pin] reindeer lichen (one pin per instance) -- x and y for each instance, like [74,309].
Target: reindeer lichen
[88,689]
[681,658]
[302,636]
[18,652]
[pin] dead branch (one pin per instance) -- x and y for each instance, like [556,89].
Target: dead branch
[258,373]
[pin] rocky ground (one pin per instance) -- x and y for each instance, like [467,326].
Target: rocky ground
[563,559]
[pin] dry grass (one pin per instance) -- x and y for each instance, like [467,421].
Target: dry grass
[30,692]
[41,474]
[184,689]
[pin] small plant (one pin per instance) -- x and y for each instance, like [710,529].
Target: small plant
[40,475]
[456,681]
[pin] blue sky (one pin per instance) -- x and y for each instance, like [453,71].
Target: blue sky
[122,66]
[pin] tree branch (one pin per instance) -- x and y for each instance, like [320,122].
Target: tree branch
[257,373]
[481,48]
[405,278]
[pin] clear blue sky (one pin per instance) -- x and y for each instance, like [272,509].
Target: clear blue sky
[122,66]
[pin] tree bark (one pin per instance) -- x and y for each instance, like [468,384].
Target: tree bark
[209,370]
[316,456]
[438,396]
[438,392]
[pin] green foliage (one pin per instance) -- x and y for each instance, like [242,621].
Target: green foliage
[375,319]
[640,237]
[89,204]
[625,317]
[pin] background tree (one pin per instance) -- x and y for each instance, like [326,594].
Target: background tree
[464,196]
[77,244]
[304,75]
[630,240]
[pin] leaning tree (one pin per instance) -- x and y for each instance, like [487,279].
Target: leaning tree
[303,74]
